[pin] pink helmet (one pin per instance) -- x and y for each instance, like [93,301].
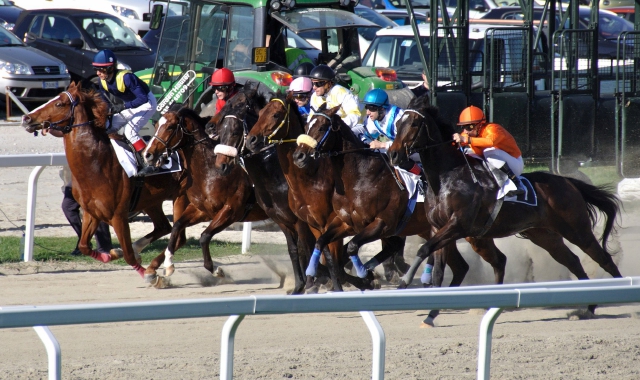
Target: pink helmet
[301,85]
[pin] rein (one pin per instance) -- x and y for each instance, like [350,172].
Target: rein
[185,132]
[67,128]
[287,119]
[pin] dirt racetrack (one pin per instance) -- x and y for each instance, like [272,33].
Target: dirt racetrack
[527,344]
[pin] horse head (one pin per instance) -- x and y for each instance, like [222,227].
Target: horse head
[231,126]
[175,130]
[319,136]
[278,120]
[419,128]
[71,108]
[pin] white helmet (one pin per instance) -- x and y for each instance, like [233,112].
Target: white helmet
[301,85]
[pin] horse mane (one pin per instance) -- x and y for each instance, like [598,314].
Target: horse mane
[422,104]
[347,133]
[293,107]
[95,105]
[192,114]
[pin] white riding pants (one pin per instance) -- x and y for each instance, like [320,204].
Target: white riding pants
[133,119]
[497,158]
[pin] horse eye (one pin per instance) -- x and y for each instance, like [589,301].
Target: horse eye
[59,104]
[276,115]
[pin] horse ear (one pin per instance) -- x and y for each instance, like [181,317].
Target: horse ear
[289,96]
[71,86]
[79,85]
[333,110]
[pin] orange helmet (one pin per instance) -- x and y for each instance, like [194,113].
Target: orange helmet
[471,115]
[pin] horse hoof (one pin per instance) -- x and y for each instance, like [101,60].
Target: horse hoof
[169,270]
[402,284]
[310,283]
[426,326]
[116,254]
[312,290]
[218,272]
[427,323]
[161,283]
[151,278]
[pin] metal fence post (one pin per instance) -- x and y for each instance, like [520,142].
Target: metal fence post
[53,351]
[226,346]
[31,212]
[484,342]
[379,344]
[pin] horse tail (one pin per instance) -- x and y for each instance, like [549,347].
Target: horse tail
[603,199]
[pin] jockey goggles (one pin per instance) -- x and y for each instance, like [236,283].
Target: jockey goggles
[372,108]
[301,96]
[224,88]
[319,83]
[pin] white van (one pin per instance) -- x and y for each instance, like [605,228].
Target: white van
[130,11]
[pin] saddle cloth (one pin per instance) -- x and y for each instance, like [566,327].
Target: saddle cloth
[412,183]
[128,161]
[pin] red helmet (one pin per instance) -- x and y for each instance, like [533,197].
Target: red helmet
[222,77]
[471,115]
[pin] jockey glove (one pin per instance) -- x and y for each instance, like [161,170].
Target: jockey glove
[116,108]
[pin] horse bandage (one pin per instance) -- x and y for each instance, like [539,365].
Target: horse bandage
[306,139]
[226,150]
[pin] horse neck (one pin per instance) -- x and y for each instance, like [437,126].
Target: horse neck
[438,161]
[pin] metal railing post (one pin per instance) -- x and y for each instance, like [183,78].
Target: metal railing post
[31,212]
[379,344]
[53,351]
[246,237]
[226,346]
[484,342]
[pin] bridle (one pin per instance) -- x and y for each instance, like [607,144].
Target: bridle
[229,150]
[183,133]
[55,125]
[411,149]
[313,143]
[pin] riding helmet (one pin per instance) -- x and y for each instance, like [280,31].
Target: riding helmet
[301,85]
[222,77]
[323,72]
[304,69]
[105,58]
[376,97]
[471,115]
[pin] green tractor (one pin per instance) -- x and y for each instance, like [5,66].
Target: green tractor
[251,38]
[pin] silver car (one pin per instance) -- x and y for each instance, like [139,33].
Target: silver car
[30,74]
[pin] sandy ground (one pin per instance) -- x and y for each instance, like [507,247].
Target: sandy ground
[527,344]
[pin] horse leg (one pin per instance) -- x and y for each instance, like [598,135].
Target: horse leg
[487,249]
[588,243]
[392,248]
[368,234]
[552,242]
[336,230]
[161,227]
[120,224]
[447,234]
[89,228]
[292,238]
[179,206]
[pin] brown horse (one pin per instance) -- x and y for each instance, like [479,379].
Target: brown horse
[222,199]
[230,126]
[100,185]
[566,207]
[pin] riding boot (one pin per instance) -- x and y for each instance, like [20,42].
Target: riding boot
[144,169]
[516,181]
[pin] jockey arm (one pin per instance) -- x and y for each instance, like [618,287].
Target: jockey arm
[133,84]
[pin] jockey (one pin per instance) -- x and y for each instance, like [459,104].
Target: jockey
[301,90]
[296,57]
[325,90]
[224,85]
[139,103]
[304,70]
[493,142]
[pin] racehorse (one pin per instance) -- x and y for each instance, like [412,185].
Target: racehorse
[100,185]
[369,196]
[566,208]
[230,126]
[222,199]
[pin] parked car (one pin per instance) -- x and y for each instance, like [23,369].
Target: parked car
[30,74]
[394,54]
[401,17]
[610,25]
[132,12]
[75,36]
[627,12]
[8,14]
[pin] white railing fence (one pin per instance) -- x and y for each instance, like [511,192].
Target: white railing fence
[494,297]
[40,161]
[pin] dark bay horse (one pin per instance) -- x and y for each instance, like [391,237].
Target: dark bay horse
[230,126]
[100,185]
[566,208]
[222,199]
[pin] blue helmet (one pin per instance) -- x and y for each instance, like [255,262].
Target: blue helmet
[376,97]
[105,58]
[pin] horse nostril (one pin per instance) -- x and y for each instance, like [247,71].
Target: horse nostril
[300,156]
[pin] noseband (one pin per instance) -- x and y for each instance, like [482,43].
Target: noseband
[313,143]
[229,150]
[184,132]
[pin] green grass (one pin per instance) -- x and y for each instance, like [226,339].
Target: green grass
[59,249]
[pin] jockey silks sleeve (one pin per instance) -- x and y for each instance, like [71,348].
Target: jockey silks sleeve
[494,135]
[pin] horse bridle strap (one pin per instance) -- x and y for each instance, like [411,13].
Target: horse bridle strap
[66,129]
[286,118]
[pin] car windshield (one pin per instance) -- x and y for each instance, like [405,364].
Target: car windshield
[111,33]
[9,39]
[415,3]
